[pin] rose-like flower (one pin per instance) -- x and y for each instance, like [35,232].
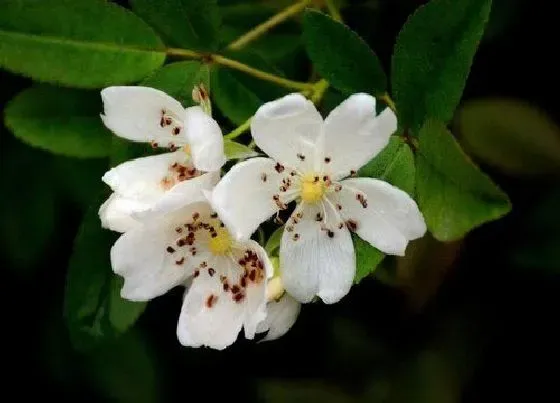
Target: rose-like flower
[162,182]
[311,160]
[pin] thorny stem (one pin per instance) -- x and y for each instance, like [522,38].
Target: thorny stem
[234,64]
[239,130]
[267,25]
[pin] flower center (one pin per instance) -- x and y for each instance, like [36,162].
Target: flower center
[221,243]
[313,188]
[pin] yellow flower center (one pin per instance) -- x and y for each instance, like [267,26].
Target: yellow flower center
[221,243]
[312,188]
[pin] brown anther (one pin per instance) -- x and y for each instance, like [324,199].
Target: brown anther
[235,289]
[211,300]
[352,225]
[339,206]
[203,264]
[196,273]
[154,144]
[327,160]
[326,178]
[338,187]
[263,177]
[211,271]
[319,217]
[181,242]
[225,286]
[353,173]
[252,275]
[180,261]
[195,216]
[176,130]
[360,197]
[238,297]
[162,122]
[168,121]
[301,157]
[178,230]
[295,237]
[279,167]
[214,215]
[243,282]
[170,249]
[316,179]
[330,233]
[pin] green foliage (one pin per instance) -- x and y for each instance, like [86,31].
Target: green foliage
[237,95]
[28,211]
[510,135]
[394,164]
[433,56]
[192,24]
[235,150]
[273,243]
[367,258]
[341,56]
[87,44]
[453,194]
[61,120]
[94,310]
[125,370]
[178,80]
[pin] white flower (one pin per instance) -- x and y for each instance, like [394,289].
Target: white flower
[310,160]
[227,278]
[166,181]
[281,312]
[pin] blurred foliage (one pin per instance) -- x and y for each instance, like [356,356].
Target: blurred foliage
[471,320]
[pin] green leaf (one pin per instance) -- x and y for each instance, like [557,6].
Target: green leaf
[238,95]
[433,56]
[125,370]
[29,213]
[192,24]
[94,310]
[341,56]
[273,243]
[86,44]
[178,80]
[78,180]
[453,194]
[235,150]
[510,135]
[60,120]
[394,164]
[367,258]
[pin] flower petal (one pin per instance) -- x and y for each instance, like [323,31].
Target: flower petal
[281,316]
[116,213]
[143,178]
[244,197]
[317,255]
[383,215]
[353,134]
[255,310]
[183,193]
[135,113]
[149,259]
[209,317]
[286,129]
[205,140]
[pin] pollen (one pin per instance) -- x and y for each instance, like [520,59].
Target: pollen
[312,188]
[221,243]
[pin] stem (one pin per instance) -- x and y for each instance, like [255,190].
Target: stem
[263,75]
[319,90]
[267,25]
[234,64]
[388,101]
[239,130]
[333,11]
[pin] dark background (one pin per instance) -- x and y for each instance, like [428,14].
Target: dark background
[466,323]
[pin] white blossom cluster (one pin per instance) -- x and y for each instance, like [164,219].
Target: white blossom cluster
[186,223]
